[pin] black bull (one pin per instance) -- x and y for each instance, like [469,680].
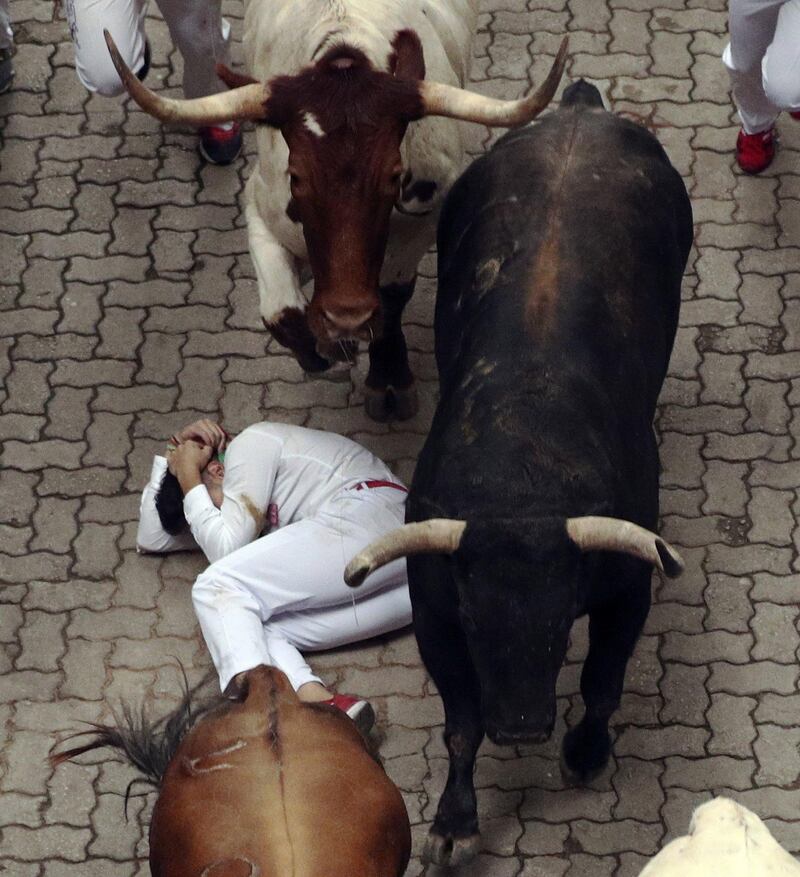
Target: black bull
[561,253]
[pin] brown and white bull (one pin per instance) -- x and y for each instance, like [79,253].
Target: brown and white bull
[343,183]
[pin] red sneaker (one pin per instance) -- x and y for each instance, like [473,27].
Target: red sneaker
[221,144]
[754,152]
[359,710]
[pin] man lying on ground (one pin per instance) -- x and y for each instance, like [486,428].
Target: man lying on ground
[278,512]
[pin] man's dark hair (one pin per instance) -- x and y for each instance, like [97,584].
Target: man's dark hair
[169,505]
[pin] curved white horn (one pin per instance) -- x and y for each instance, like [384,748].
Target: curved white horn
[458,103]
[247,102]
[435,536]
[594,533]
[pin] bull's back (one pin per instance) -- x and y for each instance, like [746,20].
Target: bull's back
[569,234]
[561,254]
[289,789]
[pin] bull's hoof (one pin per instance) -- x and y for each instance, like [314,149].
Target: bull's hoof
[312,362]
[384,404]
[583,756]
[406,403]
[448,851]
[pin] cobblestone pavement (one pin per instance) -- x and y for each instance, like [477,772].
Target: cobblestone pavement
[129,307]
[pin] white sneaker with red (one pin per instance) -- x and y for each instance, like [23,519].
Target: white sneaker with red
[355,708]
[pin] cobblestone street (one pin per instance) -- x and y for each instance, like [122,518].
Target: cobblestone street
[129,308]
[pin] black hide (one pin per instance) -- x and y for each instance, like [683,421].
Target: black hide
[561,253]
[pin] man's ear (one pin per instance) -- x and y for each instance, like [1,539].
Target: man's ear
[407,60]
[215,469]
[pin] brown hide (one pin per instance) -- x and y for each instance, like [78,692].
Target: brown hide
[345,173]
[277,788]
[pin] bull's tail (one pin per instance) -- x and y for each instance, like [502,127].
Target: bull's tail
[582,93]
[147,743]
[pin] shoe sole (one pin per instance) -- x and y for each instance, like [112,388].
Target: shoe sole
[210,160]
[363,716]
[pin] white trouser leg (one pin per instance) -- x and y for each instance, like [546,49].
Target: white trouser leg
[6,36]
[319,629]
[752,25]
[200,33]
[203,37]
[124,20]
[298,571]
[780,68]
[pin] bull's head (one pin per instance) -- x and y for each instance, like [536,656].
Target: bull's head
[343,121]
[518,589]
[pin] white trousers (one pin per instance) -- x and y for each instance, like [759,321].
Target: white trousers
[285,591]
[763,59]
[6,37]
[196,27]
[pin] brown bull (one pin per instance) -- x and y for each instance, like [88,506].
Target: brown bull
[268,786]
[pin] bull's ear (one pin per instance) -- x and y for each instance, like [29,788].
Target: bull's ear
[231,78]
[407,60]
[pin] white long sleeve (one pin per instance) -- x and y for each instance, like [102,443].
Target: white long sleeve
[251,465]
[151,536]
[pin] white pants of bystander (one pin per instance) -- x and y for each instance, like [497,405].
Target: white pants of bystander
[286,591]
[196,27]
[763,59]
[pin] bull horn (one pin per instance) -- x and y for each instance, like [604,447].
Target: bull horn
[593,533]
[458,103]
[247,102]
[435,536]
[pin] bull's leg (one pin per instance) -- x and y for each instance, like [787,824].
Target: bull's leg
[454,837]
[281,300]
[390,391]
[613,631]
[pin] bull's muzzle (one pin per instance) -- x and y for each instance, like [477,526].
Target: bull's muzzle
[534,726]
[333,325]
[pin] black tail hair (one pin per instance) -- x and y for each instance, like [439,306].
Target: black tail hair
[148,744]
[581,93]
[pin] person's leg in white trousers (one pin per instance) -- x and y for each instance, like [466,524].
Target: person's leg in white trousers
[763,59]
[286,590]
[197,28]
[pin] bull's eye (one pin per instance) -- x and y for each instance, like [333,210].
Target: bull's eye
[294,182]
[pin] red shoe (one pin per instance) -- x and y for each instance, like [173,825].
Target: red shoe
[221,144]
[754,152]
[359,710]
[795,114]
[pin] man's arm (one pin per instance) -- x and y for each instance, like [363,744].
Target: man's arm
[251,465]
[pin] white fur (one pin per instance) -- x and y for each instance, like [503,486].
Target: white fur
[313,125]
[284,36]
[724,839]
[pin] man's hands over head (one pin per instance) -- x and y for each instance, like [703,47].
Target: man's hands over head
[206,432]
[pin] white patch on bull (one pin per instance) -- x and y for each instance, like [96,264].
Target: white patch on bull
[190,765]
[313,124]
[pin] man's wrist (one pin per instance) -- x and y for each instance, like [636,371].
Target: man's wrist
[188,476]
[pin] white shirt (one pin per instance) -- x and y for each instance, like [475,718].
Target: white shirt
[295,468]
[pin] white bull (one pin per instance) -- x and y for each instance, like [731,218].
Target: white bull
[724,839]
[339,186]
